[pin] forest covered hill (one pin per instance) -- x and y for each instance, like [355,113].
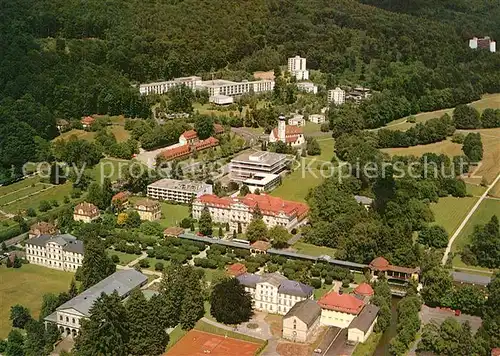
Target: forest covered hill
[64,59]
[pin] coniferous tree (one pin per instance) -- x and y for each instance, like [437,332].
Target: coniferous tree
[205,222]
[50,302]
[193,303]
[106,332]
[20,316]
[172,290]
[15,344]
[73,291]
[34,344]
[96,264]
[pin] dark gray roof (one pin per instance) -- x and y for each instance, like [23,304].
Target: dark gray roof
[211,240]
[69,242]
[306,310]
[470,278]
[295,288]
[365,319]
[121,281]
[249,279]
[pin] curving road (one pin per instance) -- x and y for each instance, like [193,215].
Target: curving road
[467,218]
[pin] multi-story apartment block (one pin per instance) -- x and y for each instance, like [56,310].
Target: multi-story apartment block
[62,252]
[336,95]
[307,87]
[86,212]
[297,120]
[181,191]
[214,87]
[68,316]
[248,164]
[148,210]
[297,68]
[317,118]
[273,292]
[239,211]
[483,43]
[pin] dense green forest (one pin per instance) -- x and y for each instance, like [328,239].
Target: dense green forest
[64,59]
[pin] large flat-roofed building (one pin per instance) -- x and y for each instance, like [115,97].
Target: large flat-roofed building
[308,87]
[214,87]
[249,164]
[68,316]
[162,87]
[239,211]
[62,252]
[274,293]
[181,191]
[263,181]
[336,95]
[297,68]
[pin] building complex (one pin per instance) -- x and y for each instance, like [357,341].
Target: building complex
[249,164]
[483,43]
[181,191]
[297,68]
[68,316]
[307,87]
[214,87]
[274,293]
[239,211]
[337,96]
[297,120]
[63,252]
[291,135]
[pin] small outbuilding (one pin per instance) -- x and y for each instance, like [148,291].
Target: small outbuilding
[362,326]
[301,321]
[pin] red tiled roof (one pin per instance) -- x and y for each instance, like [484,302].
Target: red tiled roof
[176,152]
[120,196]
[379,263]
[218,129]
[209,142]
[344,303]
[236,269]
[261,245]
[88,209]
[43,228]
[495,351]
[267,204]
[190,134]
[87,120]
[364,289]
[173,231]
[290,130]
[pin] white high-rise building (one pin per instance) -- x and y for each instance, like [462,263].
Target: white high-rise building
[297,67]
[336,95]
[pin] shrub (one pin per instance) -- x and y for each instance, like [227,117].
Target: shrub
[115,259]
[328,280]
[345,283]
[144,263]
[44,206]
[315,283]
[31,212]
[159,266]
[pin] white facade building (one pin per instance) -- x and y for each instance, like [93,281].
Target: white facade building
[339,310]
[336,95]
[239,211]
[274,293]
[484,43]
[249,164]
[317,118]
[297,68]
[302,321]
[263,182]
[297,120]
[291,135]
[307,87]
[214,87]
[221,100]
[68,316]
[63,252]
[181,191]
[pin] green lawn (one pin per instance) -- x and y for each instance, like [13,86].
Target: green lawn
[154,261]
[327,146]
[23,184]
[175,336]
[449,212]
[125,258]
[172,214]
[313,250]
[210,274]
[296,185]
[22,193]
[368,348]
[475,190]
[202,326]
[26,286]
[311,127]
[109,167]
[318,293]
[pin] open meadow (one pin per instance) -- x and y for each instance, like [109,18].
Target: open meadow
[26,286]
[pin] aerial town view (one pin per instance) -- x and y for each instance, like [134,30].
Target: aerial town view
[260,178]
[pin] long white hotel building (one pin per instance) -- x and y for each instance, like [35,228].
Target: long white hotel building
[275,211]
[214,87]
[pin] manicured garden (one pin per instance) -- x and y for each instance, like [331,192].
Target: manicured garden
[313,250]
[173,214]
[26,286]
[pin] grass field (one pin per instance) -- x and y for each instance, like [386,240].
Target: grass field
[153,261]
[23,184]
[202,326]
[20,194]
[449,212]
[495,191]
[112,168]
[327,146]
[296,185]
[444,147]
[57,192]
[172,214]
[311,127]
[313,250]
[80,134]
[119,132]
[483,214]
[487,101]
[125,258]
[26,286]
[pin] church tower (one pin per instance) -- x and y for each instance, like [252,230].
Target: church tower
[282,128]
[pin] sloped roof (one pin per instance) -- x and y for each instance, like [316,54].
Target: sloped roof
[67,241]
[190,134]
[120,196]
[44,228]
[379,263]
[249,279]
[344,303]
[295,288]
[261,245]
[87,120]
[173,152]
[236,269]
[365,319]
[364,289]
[306,310]
[148,203]
[88,209]
[121,281]
[173,231]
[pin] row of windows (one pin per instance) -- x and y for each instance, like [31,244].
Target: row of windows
[73,320]
[43,261]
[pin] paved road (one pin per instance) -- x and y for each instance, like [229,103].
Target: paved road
[141,257]
[467,218]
